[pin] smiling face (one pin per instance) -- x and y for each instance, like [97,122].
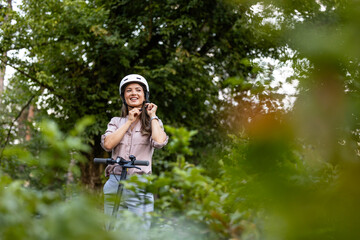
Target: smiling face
[134,95]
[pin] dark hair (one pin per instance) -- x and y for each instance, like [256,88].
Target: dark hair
[144,117]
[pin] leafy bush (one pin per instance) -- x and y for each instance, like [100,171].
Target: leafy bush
[35,208]
[55,159]
[267,188]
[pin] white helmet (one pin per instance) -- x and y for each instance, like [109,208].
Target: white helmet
[133,78]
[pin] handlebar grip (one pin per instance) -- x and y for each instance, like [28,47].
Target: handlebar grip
[102,160]
[141,163]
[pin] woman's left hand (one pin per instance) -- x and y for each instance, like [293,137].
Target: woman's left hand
[151,109]
[157,131]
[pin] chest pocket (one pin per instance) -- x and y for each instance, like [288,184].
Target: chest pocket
[140,139]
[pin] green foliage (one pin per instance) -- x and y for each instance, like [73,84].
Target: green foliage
[180,140]
[30,213]
[57,156]
[269,186]
[250,199]
[190,195]
[275,176]
[74,54]
[27,214]
[190,201]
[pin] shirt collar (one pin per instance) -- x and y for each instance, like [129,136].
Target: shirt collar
[137,127]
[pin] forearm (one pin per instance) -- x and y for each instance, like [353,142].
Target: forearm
[114,138]
[157,133]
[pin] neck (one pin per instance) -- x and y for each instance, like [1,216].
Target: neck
[131,107]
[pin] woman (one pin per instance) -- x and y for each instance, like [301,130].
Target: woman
[137,132]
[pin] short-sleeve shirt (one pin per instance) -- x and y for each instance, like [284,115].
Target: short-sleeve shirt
[133,143]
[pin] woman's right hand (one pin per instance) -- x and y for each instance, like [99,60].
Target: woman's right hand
[134,114]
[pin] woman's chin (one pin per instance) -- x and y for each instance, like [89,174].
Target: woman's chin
[135,105]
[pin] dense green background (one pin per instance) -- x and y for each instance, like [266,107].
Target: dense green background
[247,167]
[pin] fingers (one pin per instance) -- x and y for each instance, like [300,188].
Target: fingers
[151,108]
[134,114]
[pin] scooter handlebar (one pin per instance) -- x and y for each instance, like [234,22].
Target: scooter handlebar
[141,163]
[103,160]
[112,161]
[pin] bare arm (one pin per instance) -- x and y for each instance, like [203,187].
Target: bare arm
[113,139]
[157,133]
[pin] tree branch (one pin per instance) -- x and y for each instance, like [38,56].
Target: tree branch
[41,84]
[12,124]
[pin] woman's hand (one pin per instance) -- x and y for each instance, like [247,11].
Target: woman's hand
[134,114]
[157,131]
[151,109]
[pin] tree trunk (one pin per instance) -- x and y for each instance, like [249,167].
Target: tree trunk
[2,71]
[29,119]
[92,174]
